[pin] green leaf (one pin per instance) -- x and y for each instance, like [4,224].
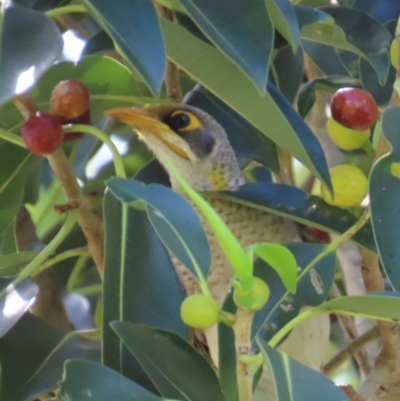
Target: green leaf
[84,381]
[235,36]
[12,264]
[307,15]
[133,25]
[221,77]
[285,21]
[15,165]
[296,382]
[349,34]
[15,302]
[32,354]
[287,69]
[380,305]
[245,139]
[312,289]
[384,192]
[175,367]
[329,84]
[281,260]
[137,266]
[35,47]
[295,204]
[173,218]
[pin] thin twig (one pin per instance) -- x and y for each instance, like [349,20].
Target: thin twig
[350,350]
[351,335]
[172,84]
[350,392]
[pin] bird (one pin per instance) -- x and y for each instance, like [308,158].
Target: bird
[199,148]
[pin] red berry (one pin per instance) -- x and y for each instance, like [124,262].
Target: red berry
[354,108]
[82,119]
[42,133]
[69,99]
[323,236]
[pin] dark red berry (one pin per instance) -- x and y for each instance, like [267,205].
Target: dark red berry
[69,99]
[354,108]
[42,133]
[82,119]
[322,236]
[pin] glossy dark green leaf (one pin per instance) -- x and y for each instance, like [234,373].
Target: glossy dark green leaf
[312,289]
[384,192]
[85,381]
[15,302]
[307,15]
[245,139]
[381,93]
[297,205]
[224,79]
[12,264]
[367,6]
[325,57]
[173,218]
[296,382]
[98,43]
[330,84]
[133,25]
[175,367]
[304,134]
[137,267]
[287,71]
[284,19]
[15,165]
[372,43]
[35,47]
[32,354]
[235,36]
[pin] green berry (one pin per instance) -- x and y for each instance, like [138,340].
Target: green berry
[350,186]
[200,311]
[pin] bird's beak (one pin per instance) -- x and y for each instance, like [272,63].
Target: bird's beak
[145,121]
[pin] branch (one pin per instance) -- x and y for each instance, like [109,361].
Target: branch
[242,331]
[90,224]
[172,84]
[350,350]
[387,365]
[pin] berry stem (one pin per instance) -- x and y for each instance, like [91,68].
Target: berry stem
[328,249]
[71,253]
[55,12]
[10,137]
[34,267]
[88,129]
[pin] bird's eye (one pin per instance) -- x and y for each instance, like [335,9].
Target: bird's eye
[178,121]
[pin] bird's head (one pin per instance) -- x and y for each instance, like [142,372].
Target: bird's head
[191,139]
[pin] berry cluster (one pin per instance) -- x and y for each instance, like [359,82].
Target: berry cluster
[353,113]
[69,104]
